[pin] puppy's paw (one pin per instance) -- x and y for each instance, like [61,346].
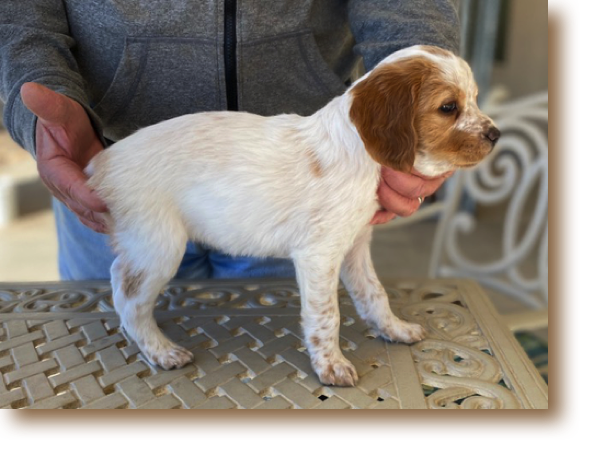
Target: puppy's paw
[169,358]
[339,372]
[402,331]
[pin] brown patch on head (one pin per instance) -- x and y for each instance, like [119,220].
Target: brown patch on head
[384,111]
[398,112]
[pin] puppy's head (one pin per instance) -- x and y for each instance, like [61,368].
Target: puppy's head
[418,108]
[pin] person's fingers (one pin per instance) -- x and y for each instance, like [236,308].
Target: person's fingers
[95,226]
[382,217]
[394,202]
[63,122]
[50,107]
[94,220]
[97,219]
[412,185]
[65,143]
[432,184]
[67,178]
[401,194]
[66,181]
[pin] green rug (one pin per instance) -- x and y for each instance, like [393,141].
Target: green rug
[538,351]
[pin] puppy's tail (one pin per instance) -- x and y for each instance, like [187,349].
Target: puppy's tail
[94,183]
[96,169]
[89,170]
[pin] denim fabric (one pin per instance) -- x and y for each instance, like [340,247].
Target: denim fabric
[86,255]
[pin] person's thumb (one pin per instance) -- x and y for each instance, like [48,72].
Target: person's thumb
[50,107]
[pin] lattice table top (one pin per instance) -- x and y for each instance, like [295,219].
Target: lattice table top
[61,347]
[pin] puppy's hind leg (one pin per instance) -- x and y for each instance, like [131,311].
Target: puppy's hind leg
[138,274]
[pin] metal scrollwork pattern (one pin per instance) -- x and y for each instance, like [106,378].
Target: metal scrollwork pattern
[455,363]
[41,300]
[73,298]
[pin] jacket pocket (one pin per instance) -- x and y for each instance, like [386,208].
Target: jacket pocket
[286,74]
[159,78]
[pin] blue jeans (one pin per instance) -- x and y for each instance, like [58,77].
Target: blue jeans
[86,255]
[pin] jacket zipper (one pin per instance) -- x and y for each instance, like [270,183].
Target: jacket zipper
[230,54]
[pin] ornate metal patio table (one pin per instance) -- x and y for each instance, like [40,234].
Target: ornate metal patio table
[61,347]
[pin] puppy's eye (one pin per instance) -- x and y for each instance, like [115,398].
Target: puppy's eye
[449,108]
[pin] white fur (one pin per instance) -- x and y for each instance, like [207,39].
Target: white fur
[285,186]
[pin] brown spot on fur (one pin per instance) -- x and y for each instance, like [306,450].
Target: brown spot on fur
[315,341]
[314,163]
[131,281]
[331,274]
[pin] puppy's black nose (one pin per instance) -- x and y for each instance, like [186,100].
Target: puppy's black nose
[492,134]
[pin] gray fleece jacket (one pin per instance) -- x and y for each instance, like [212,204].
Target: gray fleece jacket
[133,63]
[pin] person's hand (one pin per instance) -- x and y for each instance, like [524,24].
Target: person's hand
[400,194]
[65,143]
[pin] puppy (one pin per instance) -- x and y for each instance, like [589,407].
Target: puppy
[286,186]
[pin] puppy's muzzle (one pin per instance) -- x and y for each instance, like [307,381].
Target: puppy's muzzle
[492,134]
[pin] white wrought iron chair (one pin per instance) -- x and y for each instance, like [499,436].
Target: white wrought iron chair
[515,176]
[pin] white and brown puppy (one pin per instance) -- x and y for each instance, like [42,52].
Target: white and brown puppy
[286,186]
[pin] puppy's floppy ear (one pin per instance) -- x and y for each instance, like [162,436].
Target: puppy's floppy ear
[384,109]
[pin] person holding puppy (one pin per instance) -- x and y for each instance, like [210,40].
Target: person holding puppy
[78,76]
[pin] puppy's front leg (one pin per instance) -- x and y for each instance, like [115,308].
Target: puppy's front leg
[317,276]
[370,297]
